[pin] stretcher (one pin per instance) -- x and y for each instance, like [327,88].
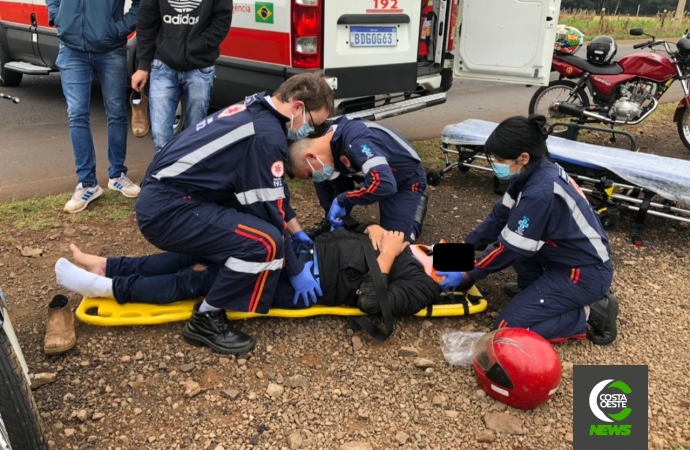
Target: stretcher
[614,179]
[107,312]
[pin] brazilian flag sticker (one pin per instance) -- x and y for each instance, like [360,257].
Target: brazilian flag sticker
[264,12]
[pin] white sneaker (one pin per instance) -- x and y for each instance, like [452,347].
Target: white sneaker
[82,197]
[124,185]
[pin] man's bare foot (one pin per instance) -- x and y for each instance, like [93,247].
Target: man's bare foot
[92,263]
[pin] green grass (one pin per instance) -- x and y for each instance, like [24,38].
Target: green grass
[295,185]
[618,27]
[430,152]
[40,213]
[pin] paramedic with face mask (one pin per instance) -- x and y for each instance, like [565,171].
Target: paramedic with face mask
[546,229]
[217,192]
[386,167]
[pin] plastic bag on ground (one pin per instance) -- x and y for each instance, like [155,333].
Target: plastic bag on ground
[457,347]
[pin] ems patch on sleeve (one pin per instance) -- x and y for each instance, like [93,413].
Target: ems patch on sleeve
[277,169]
[232,110]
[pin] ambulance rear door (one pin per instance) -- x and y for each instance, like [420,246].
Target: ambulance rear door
[370,46]
[509,41]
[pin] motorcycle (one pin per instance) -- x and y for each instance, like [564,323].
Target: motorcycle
[20,423]
[623,92]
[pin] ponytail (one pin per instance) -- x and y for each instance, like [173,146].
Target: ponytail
[518,135]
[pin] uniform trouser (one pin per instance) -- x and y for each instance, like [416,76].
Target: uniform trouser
[249,250]
[553,299]
[171,277]
[397,212]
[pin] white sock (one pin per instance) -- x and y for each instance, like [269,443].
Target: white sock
[586,312]
[205,307]
[81,281]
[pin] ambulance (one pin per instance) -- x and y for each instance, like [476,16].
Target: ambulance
[382,58]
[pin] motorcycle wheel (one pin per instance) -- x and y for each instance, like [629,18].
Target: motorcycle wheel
[567,89]
[17,406]
[683,123]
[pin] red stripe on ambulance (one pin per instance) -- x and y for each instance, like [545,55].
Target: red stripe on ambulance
[257,45]
[16,12]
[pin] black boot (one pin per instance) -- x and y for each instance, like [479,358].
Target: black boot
[214,330]
[602,320]
[512,289]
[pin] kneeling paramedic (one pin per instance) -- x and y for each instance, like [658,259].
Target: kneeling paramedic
[342,261]
[236,157]
[387,167]
[546,229]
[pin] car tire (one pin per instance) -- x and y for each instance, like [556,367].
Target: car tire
[8,78]
[18,409]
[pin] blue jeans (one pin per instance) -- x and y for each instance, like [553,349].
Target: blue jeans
[77,71]
[167,87]
[165,278]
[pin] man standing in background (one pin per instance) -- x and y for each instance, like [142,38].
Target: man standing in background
[93,39]
[178,43]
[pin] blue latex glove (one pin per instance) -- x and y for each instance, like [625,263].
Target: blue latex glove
[301,236]
[335,213]
[451,280]
[305,286]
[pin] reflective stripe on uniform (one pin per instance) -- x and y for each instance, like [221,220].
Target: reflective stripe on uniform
[397,139]
[187,162]
[581,221]
[373,162]
[260,195]
[238,265]
[508,200]
[521,242]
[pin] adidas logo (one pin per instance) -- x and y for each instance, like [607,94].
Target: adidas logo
[180,19]
[184,6]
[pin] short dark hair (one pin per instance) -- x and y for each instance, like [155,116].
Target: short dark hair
[519,134]
[310,88]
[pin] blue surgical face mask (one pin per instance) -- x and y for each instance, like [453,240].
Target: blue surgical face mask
[324,175]
[303,131]
[502,171]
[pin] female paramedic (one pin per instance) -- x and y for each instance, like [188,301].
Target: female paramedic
[546,229]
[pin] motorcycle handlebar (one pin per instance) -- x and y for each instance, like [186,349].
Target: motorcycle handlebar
[9,97]
[644,44]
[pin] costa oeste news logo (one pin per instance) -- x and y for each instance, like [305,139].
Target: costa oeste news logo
[601,400]
[610,407]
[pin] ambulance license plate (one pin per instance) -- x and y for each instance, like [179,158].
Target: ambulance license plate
[373,37]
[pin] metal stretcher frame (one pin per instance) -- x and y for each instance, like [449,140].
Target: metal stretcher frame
[599,184]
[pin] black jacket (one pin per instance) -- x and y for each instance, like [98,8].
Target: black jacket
[343,270]
[184,34]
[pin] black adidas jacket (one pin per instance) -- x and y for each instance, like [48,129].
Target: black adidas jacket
[343,270]
[184,34]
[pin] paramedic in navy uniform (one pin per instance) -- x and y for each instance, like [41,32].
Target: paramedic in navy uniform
[546,229]
[216,192]
[387,166]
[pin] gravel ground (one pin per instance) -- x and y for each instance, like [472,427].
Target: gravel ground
[312,384]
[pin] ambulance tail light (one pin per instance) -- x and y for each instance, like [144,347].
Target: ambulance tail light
[307,23]
[451,27]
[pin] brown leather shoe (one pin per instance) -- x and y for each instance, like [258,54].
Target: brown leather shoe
[60,334]
[140,114]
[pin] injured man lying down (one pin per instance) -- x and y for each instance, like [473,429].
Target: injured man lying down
[337,261]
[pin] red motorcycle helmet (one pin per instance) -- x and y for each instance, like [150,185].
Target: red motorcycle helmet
[517,367]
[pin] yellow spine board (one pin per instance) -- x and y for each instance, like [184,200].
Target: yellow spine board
[107,312]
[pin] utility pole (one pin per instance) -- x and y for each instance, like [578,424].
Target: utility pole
[680,12]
